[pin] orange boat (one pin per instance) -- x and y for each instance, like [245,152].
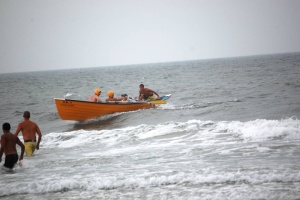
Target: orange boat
[83,110]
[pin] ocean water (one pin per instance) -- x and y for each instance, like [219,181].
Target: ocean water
[231,130]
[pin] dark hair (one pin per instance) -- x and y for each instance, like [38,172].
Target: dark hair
[142,85]
[26,114]
[6,126]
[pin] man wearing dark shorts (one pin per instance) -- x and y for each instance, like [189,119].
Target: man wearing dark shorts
[8,146]
[11,160]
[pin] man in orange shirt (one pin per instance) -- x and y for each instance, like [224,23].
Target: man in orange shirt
[29,130]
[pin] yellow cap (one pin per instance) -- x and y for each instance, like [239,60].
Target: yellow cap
[110,94]
[97,91]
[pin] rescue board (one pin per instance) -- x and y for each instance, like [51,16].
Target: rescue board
[162,100]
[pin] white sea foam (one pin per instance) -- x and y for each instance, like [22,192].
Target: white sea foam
[98,182]
[191,154]
[260,129]
[286,129]
[168,106]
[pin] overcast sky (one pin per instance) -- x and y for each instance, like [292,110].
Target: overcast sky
[40,35]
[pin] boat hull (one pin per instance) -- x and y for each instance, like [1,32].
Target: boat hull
[83,110]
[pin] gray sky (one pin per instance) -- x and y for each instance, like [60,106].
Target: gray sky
[58,34]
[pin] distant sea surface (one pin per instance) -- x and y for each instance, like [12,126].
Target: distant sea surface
[231,130]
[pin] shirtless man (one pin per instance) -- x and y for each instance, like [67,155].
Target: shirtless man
[95,97]
[8,146]
[146,93]
[124,97]
[29,130]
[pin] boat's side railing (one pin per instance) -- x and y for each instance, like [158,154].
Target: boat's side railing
[106,102]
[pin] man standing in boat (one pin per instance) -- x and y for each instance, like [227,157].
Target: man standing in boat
[29,130]
[95,97]
[147,94]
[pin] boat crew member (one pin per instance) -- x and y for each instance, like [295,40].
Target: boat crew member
[95,97]
[111,97]
[124,97]
[29,130]
[147,94]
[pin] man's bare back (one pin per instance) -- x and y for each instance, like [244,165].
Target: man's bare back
[8,147]
[10,142]
[29,129]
